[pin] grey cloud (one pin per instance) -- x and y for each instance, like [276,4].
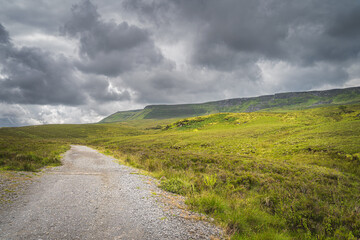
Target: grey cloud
[165,82]
[159,86]
[319,40]
[346,25]
[157,12]
[112,37]
[173,86]
[33,76]
[276,30]
[310,77]
[95,87]
[83,17]
[24,17]
[4,35]
[224,49]
[156,87]
[30,75]
[115,62]
[109,48]
[242,26]
[267,30]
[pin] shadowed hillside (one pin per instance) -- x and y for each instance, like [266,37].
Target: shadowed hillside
[277,102]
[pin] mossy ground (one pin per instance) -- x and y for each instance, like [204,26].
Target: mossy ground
[263,175]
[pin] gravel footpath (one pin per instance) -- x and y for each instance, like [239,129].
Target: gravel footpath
[13,185]
[93,197]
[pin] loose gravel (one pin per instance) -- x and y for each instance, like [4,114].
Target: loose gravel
[93,197]
[13,184]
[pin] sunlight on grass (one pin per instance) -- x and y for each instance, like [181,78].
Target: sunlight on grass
[263,175]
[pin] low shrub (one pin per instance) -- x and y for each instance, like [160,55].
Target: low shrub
[175,185]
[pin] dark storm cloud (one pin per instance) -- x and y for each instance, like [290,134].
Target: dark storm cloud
[30,75]
[158,87]
[129,53]
[231,31]
[109,48]
[346,24]
[33,76]
[291,31]
[4,35]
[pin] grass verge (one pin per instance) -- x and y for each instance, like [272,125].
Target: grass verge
[264,175]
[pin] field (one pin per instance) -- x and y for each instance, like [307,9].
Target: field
[262,175]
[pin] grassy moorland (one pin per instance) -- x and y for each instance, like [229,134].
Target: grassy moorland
[263,175]
[279,101]
[30,148]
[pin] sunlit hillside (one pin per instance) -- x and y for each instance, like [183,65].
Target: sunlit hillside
[287,175]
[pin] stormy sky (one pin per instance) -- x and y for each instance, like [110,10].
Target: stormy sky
[77,62]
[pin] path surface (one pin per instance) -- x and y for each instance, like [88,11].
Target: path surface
[93,197]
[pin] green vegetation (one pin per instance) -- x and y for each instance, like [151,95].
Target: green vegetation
[29,155]
[124,116]
[30,148]
[263,175]
[277,102]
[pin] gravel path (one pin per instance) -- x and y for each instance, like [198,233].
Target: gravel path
[93,197]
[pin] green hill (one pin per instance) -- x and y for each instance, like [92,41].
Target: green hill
[290,175]
[277,102]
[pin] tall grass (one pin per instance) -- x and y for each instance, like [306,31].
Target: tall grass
[263,175]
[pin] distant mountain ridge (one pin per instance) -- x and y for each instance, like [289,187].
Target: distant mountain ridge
[275,102]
